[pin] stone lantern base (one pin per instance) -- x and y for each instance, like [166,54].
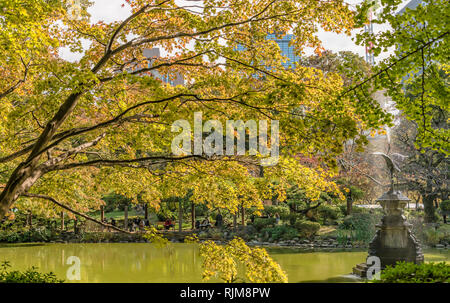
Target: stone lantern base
[395,242]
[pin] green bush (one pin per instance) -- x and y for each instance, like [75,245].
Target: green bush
[329,211]
[261,223]
[30,275]
[307,229]
[281,232]
[26,234]
[292,218]
[328,214]
[360,227]
[412,273]
[282,210]
[355,221]
[433,236]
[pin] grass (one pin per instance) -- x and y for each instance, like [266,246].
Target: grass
[117,215]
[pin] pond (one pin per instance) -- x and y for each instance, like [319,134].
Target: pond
[143,262]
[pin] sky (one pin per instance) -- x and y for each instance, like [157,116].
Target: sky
[112,10]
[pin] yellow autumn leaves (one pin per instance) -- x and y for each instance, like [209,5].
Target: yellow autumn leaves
[237,262]
[232,262]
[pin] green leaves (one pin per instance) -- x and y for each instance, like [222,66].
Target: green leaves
[416,76]
[123,99]
[413,273]
[30,275]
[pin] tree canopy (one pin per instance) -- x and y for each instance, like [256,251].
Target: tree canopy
[74,131]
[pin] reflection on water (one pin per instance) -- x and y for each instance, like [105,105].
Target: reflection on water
[142,262]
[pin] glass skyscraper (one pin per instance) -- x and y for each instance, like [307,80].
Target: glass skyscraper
[286,50]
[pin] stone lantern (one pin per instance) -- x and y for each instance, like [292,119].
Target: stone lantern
[394,240]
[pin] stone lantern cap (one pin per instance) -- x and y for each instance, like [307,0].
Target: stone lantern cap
[393,196]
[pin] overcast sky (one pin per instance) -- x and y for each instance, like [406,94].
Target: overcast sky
[112,10]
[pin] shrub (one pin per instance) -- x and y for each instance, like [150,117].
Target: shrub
[271,210]
[355,221]
[433,236]
[292,218]
[281,232]
[30,275]
[329,211]
[260,223]
[307,229]
[413,273]
[361,226]
[328,214]
[26,234]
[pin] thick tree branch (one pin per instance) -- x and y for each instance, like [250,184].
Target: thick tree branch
[394,63]
[30,195]
[55,160]
[126,162]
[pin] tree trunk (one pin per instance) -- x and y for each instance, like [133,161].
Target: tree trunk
[235,221]
[193,215]
[243,216]
[349,204]
[180,216]
[20,182]
[428,203]
[430,211]
[146,211]
[62,220]
[28,172]
[125,221]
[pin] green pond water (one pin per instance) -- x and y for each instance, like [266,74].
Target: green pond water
[143,262]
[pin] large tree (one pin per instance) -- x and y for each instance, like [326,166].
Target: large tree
[72,131]
[425,171]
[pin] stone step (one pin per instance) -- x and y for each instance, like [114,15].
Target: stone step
[360,270]
[362,266]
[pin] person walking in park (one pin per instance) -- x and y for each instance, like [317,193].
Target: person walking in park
[168,224]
